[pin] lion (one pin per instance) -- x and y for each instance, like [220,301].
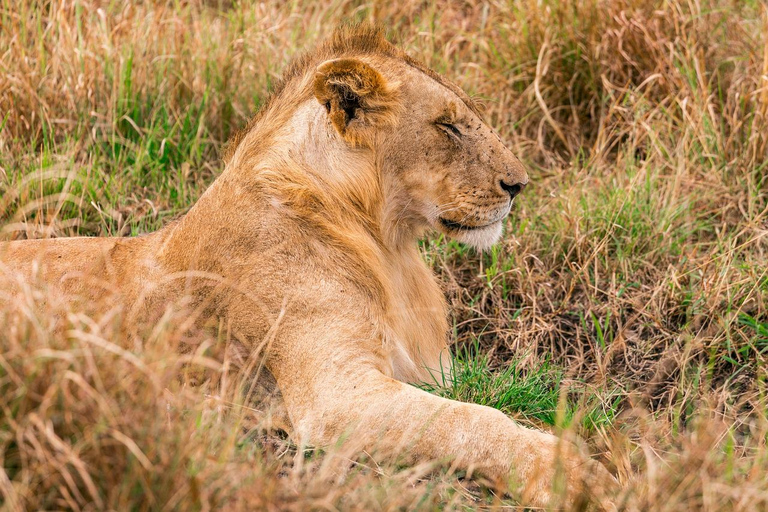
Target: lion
[306,246]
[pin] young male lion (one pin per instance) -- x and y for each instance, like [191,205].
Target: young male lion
[305,247]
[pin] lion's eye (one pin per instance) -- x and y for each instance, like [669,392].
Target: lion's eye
[450,128]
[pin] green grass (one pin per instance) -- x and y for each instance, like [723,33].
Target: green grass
[536,395]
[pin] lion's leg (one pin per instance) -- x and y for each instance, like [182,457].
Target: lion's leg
[382,414]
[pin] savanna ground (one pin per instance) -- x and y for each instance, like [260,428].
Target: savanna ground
[627,303]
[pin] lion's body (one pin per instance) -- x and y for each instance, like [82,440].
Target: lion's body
[305,247]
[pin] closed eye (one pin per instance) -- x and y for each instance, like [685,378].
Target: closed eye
[450,128]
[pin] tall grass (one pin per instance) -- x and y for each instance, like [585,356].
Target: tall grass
[628,300]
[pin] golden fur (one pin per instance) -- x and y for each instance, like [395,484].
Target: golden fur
[305,247]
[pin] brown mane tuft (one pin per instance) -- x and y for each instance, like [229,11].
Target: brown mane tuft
[346,41]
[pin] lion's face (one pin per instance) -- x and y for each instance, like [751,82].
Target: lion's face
[445,167]
[459,176]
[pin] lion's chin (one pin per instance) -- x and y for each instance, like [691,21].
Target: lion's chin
[481,239]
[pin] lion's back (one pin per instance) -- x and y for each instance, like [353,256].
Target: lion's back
[77,266]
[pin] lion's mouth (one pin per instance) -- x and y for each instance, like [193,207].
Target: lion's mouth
[457,226]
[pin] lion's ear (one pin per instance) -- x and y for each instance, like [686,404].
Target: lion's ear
[358,99]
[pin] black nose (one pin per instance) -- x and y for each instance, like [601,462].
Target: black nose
[512,190]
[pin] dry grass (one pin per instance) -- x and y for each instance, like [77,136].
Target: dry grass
[636,267]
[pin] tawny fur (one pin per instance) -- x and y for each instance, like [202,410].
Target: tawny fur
[305,247]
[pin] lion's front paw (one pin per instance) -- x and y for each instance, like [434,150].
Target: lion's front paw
[560,476]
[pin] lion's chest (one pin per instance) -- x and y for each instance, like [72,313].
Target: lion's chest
[416,323]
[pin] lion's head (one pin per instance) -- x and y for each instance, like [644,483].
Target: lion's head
[437,162]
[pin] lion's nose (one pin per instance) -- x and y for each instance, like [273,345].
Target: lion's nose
[512,190]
